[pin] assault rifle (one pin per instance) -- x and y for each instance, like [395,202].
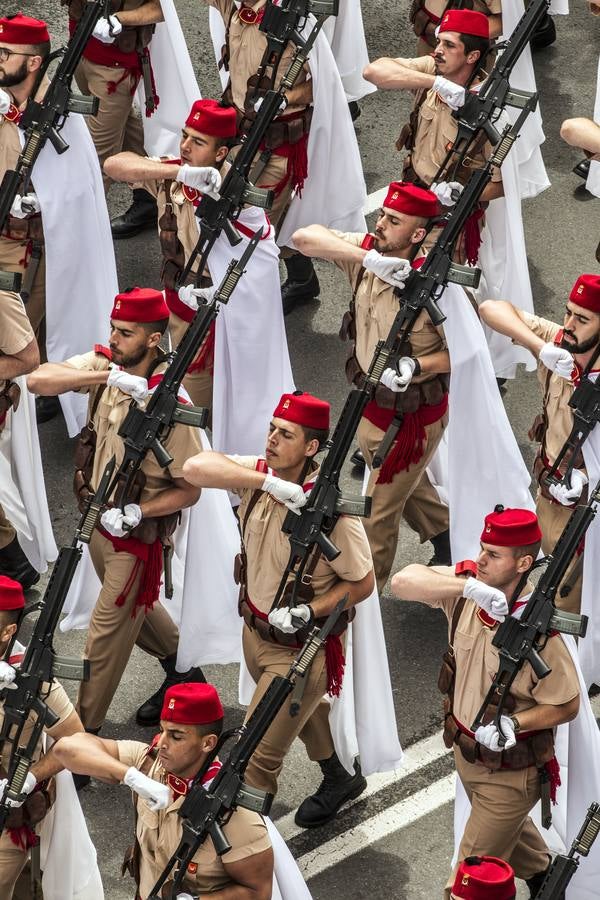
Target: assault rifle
[217,215]
[146,429]
[585,403]
[40,663]
[521,640]
[206,809]
[422,291]
[565,866]
[43,120]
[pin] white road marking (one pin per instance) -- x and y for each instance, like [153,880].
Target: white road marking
[415,757]
[378,827]
[374,200]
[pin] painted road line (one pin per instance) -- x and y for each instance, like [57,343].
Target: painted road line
[416,757]
[387,822]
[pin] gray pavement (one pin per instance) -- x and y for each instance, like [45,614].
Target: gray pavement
[562,231]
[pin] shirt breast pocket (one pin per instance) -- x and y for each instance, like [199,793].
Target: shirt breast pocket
[147,821]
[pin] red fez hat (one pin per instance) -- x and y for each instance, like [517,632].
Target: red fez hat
[11,594]
[465,21]
[192,703]
[586,292]
[20,29]
[140,305]
[484,878]
[511,528]
[304,409]
[412,200]
[209,117]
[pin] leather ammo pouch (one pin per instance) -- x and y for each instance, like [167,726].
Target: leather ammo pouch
[85,449]
[535,750]
[10,396]
[30,229]
[419,20]
[129,39]
[423,393]
[34,808]
[281,131]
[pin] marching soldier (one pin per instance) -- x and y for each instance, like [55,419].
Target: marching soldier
[484,878]
[39,790]
[127,546]
[502,785]
[426,15]
[116,57]
[268,487]
[159,776]
[417,388]
[565,354]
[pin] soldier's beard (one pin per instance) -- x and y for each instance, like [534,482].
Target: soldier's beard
[584,347]
[7,81]
[128,362]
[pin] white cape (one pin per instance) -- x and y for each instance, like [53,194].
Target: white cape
[559,8]
[288,883]
[346,35]
[578,753]
[252,365]
[589,646]
[593,179]
[334,193]
[81,276]
[362,719]
[22,486]
[176,86]
[533,178]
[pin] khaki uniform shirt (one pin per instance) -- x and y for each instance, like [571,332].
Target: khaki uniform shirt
[560,390]
[477,662]
[182,441]
[159,833]
[10,145]
[60,705]
[268,548]
[246,47]
[436,131]
[15,331]
[375,310]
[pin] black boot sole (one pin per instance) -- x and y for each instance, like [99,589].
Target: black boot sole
[356,792]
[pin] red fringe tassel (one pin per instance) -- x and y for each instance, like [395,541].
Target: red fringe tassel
[335,662]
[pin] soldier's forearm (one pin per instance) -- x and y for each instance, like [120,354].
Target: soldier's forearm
[422,584]
[545,716]
[356,590]
[86,754]
[319,241]
[504,318]
[301,94]
[211,469]
[58,378]
[391,75]
[147,14]
[493,191]
[495,25]
[130,167]
[437,363]
[20,363]
[170,501]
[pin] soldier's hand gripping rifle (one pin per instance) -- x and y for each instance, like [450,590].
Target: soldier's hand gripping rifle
[40,663]
[217,215]
[206,809]
[565,866]
[521,640]
[43,120]
[585,403]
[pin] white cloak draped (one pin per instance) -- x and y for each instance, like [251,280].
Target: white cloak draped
[81,276]
[346,35]
[176,86]
[334,193]
[593,179]
[288,883]
[22,486]
[578,753]
[589,646]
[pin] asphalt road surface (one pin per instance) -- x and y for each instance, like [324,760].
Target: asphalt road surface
[396,840]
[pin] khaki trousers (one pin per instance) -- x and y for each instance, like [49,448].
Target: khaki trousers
[113,631]
[116,127]
[12,256]
[265,661]
[199,385]
[272,175]
[552,518]
[499,824]
[7,532]
[15,883]
[389,500]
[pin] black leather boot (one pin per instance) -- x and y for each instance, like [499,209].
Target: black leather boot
[582,169]
[354,109]
[301,284]
[142,214]
[544,34]
[337,787]
[357,459]
[149,712]
[14,564]
[442,555]
[46,408]
[81,781]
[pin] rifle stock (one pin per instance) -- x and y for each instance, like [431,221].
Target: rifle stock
[565,866]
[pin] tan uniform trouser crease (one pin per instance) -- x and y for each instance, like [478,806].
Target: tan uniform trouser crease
[553,518]
[12,254]
[113,631]
[390,501]
[266,660]
[15,884]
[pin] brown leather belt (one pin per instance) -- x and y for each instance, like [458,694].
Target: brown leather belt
[29,229]
[267,632]
[532,749]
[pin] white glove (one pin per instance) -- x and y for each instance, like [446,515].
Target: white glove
[280,109]
[103,28]
[5,102]
[205,179]
[119,522]
[490,599]
[400,380]
[489,736]
[30,783]
[290,494]
[568,495]
[392,269]
[134,385]
[7,676]
[191,295]
[290,620]
[443,191]
[557,359]
[25,205]
[156,794]
[184,897]
[451,93]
